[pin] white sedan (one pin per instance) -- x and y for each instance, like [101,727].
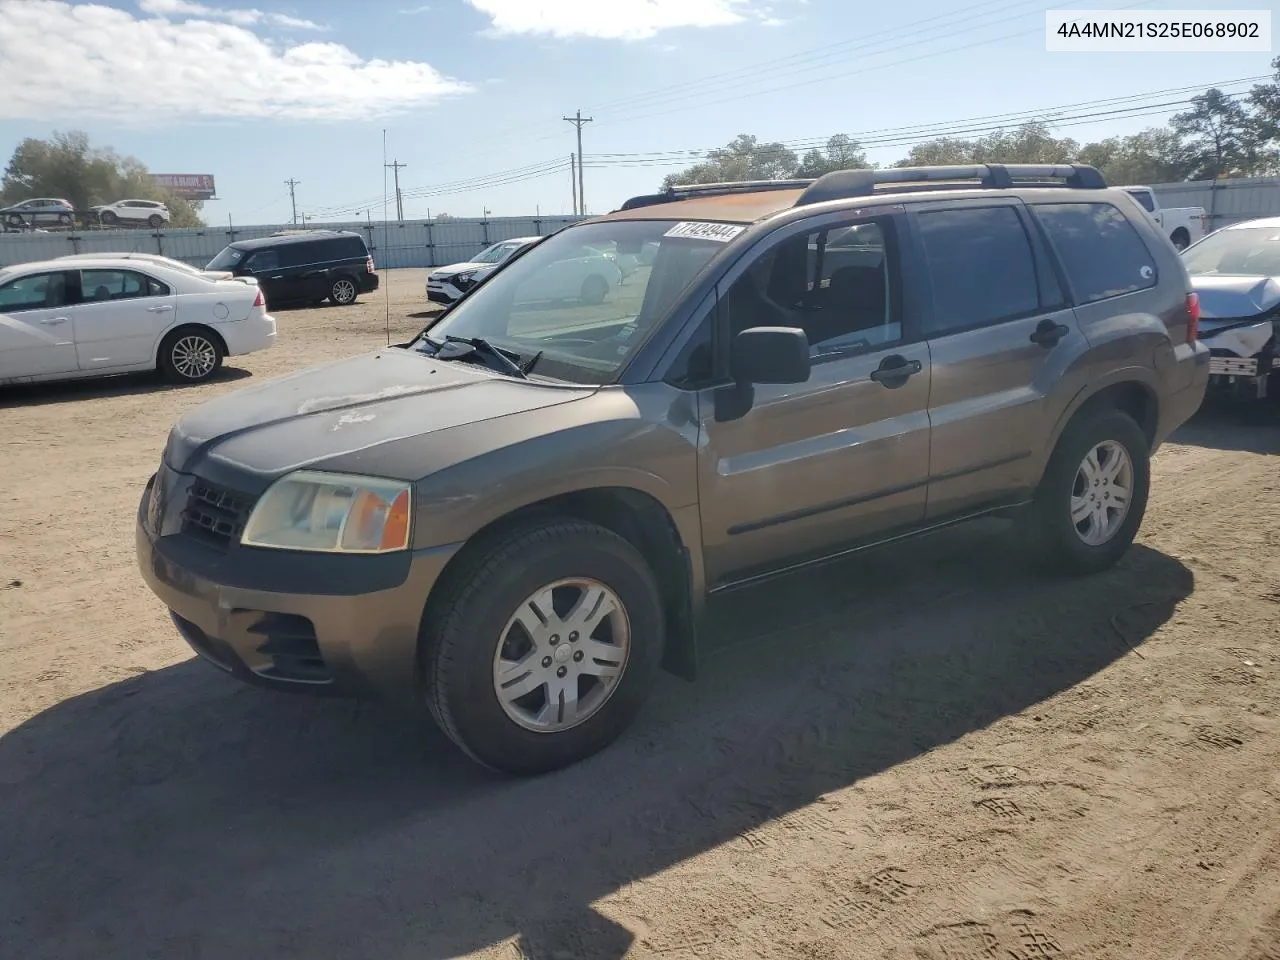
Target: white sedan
[66,319]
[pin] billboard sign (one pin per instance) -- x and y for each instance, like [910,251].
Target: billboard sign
[188,186]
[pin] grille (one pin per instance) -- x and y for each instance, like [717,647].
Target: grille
[215,514]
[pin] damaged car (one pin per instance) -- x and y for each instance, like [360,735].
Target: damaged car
[1236,273]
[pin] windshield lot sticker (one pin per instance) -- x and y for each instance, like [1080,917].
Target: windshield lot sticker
[719,232]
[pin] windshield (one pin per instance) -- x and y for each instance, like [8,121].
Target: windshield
[227,259]
[568,303]
[497,253]
[1250,252]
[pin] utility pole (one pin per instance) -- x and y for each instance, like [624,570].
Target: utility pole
[293,202]
[573,180]
[578,120]
[395,167]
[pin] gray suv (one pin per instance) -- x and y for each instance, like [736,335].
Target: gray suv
[518,516]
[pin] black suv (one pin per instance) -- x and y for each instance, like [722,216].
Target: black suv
[308,267]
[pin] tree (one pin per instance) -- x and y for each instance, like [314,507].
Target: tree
[1216,129]
[1029,143]
[743,158]
[67,166]
[1157,155]
[1263,123]
[842,152]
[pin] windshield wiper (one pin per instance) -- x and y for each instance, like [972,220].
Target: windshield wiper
[498,359]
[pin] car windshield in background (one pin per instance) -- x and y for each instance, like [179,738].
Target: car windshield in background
[568,303]
[227,259]
[1250,252]
[497,253]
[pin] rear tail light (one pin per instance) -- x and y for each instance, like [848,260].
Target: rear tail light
[1204,223]
[368,265]
[1193,317]
[261,301]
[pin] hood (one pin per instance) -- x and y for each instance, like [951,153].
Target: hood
[453,268]
[1235,298]
[250,437]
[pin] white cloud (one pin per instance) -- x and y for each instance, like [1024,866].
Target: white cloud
[240,16]
[608,19]
[109,65]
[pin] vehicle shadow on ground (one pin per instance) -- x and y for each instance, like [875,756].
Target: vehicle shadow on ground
[129,384]
[177,814]
[123,385]
[1226,424]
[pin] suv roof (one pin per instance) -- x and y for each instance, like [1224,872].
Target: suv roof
[308,237]
[750,201]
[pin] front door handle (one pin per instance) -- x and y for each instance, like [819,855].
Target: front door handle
[53,321]
[895,370]
[164,308]
[1048,333]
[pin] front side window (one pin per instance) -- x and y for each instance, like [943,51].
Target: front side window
[1101,253]
[98,286]
[836,284]
[1242,252]
[39,291]
[564,301]
[982,268]
[264,260]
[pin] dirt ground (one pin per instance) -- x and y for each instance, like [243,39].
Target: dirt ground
[925,752]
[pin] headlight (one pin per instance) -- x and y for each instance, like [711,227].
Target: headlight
[331,513]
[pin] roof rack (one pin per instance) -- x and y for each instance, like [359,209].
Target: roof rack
[690,190]
[842,184]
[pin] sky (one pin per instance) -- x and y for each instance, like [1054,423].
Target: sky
[470,94]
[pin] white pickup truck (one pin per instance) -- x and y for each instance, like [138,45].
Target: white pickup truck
[1183,225]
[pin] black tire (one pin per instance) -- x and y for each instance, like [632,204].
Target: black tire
[460,642]
[344,291]
[1181,239]
[15,220]
[1048,529]
[108,218]
[190,355]
[65,219]
[594,289]
[155,221]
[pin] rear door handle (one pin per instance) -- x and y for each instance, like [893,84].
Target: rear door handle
[895,370]
[1048,333]
[53,321]
[164,308]
[279,276]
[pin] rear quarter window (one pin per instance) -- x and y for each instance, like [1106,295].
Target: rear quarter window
[1101,252]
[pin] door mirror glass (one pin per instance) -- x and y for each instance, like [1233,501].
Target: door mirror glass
[770,355]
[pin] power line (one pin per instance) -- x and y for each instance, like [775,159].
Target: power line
[293,201]
[578,120]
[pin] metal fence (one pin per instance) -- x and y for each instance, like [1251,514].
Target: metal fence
[413,243]
[1225,201]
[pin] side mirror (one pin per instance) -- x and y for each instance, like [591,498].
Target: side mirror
[770,355]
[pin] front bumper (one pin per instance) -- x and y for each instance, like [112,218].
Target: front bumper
[340,631]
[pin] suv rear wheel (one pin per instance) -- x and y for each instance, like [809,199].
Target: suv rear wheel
[545,648]
[343,291]
[1093,495]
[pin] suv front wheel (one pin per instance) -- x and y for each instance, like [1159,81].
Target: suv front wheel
[1093,495]
[544,648]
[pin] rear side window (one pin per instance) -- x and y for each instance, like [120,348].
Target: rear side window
[1144,200]
[1100,251]
[982,267]
[295,254]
